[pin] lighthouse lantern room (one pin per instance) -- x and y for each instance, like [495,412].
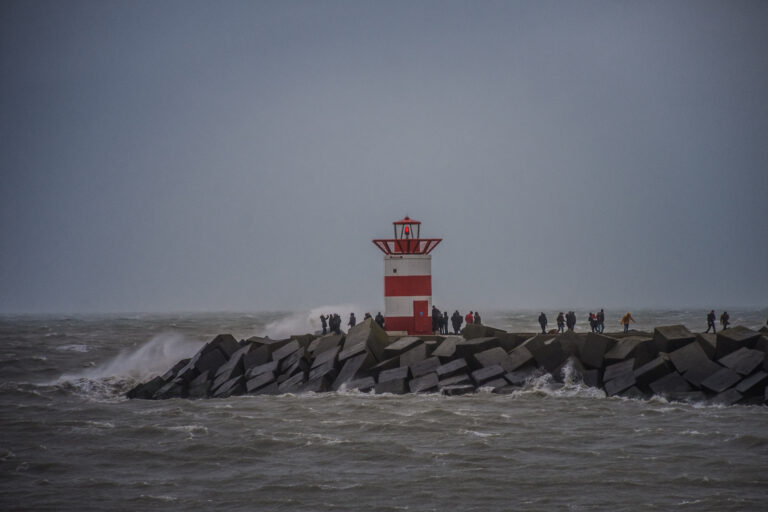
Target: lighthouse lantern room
[408,278]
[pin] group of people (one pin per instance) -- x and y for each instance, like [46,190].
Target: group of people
[724,320]
[332,322]
[596,321]
[440,320]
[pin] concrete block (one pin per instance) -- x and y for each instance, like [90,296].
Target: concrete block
[472,331]
[354,368]
[728,397]
[226,343]
[549,354]
[455,367]
[689,356]
[174,371]
[147,389]
[402,345]
[174,389]
[446,350]
[324,343]
[672,337]
[424,384]
[456,380]
[256,357]
[262,368]
[414,355]
[269,389]
[698,374]
[200,387]
[234,386]
[305,340]
[594,349]
[324,357]
[520,358]
[670,383]
[372,335]
[652,371]
[572,365]
[721,380]
[509,341]
[490,357]
[708,343]
[467,348]
[233,367]
[259,381]
[209,361]
[364,385]
[639,348]
[520,377]
[351,351]
[496,384]
[289,349]
[292,384]
[634,392]
[387,364]
[754,385]
[394,381]
[592,378]
[621,381]
[326,369]
[734,338]
[319,385]
[428,365]
[483,375]
[457,390]
[290,361]
[743,360]
[614,370]
[572,343]
[220,381]
[762,343]
[763,330]
[432,345]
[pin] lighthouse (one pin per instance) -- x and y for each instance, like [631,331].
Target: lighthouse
[408,278]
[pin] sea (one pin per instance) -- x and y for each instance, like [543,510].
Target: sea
[70,440]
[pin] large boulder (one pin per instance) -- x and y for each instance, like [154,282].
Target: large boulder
[672,337]
[394,381]
[371,334]
[731,340]
[594,348]
[402,345]
[743,360]
[466,348]
[147,389]
[697,374]
[638,348]
[690,356]
[721,380]
[425,383]
[670,385]
[652,371]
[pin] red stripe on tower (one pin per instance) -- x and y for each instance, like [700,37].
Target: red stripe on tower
[408,278]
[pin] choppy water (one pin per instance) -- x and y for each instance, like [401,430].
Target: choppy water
[69,440]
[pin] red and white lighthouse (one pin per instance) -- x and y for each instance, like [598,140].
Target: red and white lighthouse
[408,278]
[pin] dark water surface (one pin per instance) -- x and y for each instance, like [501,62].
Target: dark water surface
[69,440]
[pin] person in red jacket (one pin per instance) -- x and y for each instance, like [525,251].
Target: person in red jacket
[469,318]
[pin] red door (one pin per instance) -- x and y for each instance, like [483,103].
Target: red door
[422,322]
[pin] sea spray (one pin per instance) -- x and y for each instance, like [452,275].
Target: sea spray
[304,322]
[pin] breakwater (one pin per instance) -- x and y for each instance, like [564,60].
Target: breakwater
[727,368]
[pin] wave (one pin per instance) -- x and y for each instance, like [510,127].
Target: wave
[308,321]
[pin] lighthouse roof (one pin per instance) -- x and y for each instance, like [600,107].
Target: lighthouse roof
[406,220]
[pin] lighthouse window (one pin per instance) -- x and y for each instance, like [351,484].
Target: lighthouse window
[394,271]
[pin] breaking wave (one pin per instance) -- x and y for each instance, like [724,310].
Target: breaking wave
[309,321]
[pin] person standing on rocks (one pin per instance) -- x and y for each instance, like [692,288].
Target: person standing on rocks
[543,322]
[435,319]
[477,318]
[560,322]
[324,321]
[352,320]
[711,321]
[570,320]
[469,318]
[601,321]
[380,319]
[625,321]
[725,319]
[457,321]
[445,322]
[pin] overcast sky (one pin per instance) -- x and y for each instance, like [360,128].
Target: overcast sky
[193,156]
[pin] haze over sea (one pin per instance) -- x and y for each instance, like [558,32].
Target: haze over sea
[70,440]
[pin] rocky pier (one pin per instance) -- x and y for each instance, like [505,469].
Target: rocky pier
[730,367]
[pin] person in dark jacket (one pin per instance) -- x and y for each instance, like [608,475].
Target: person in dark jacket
[570,320]
[543,322]
[560,322]
[711,321]
[352,320]
[478,320]
[435,319]
[379,319]
[725,319]
[445,322]
[601,321]
[324,321]
[457,321]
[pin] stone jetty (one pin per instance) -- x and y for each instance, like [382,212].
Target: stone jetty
[730,367]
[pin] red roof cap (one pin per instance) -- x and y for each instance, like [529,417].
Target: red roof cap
[406,220]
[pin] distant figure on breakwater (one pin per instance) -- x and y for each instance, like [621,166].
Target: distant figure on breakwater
[367,316]
[592,321]
[435,319]
[324,321]
[379,319]
[711,321]
[543,322]
[352,320]
[625,321]
[457,320]
[445,322]
[477,318]
[570,320]
[601,321]
[725,319]
[560,322]
[335,323]
[469,318]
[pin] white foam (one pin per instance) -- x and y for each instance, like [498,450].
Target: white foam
[309,321]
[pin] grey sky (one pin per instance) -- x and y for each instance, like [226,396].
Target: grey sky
[167,156]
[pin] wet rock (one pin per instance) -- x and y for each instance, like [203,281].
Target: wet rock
[428,365]
[262,368]
[402,345]
[708,343]
[496,384]
[520,377]
[387,364]
[490,357]
[235,386]
[467,348]
[319,385]
[672,337]
[270,345]
[425,383]
[743,360]
[619,377]
[721,380]
[353,368]
[372,335]
[549,354]
[457,390]
[292,384]
[571,366]
[484,375]
[687,396]
[393,381]
[456,380]
[734,338]
[616,369]
[520,358]
[652,371]
[148,389]
[325,357]
[455,367]
[200,387]
[754,385]
[292,348]
[324,343]
[642,350]
[269,389]
[363,385]
[259,381]
[594,349]
[592,378]
[728,397]
[257,356]
[699,373]
[173,372]
[634,392]
[174,389]
[688,357]
[327,369]
[413,356]
[670,384]
[446,350]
